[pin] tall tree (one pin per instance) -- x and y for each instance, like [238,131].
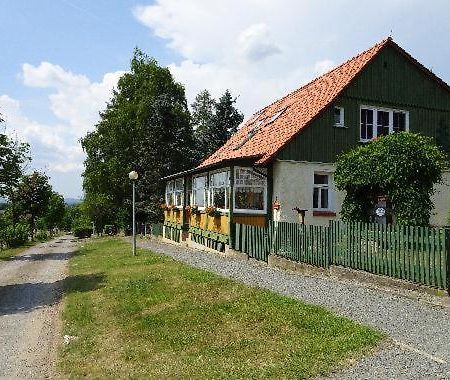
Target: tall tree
[202,119]
[55,212]
[33,194]
[214,121]
[13,156]
[146,128]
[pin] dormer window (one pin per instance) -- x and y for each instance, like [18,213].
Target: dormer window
[338,117]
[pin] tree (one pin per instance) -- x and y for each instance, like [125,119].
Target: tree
[55,212]
[99,209]
[13,156]
[403,167]
[214,122]
[33,194]
[146,128]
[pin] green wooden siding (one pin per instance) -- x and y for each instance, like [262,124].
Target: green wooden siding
[389,81]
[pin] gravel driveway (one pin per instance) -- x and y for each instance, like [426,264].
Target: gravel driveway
[30,291]
[419,344]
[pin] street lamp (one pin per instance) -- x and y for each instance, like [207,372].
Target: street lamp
[133,175]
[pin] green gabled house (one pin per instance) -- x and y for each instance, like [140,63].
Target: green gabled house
[282,158]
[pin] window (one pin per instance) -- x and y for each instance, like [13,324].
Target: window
[250,191]
[219,189]
[169,193]
[321,192]
[178,192]
[199,191]
[174,192]
[381,122]
[366,124]
[338,117]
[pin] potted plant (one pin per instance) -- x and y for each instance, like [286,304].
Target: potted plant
[213,211]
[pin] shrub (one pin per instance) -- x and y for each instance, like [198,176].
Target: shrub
[403,167]
[82,231]
[14,236]
[110,229]
[42,235]
[81,227]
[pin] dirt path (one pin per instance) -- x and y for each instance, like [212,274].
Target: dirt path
[30,291]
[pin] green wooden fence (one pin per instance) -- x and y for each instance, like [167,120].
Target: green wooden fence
[417,254]
[302,243]
[172,231]
[157,229]
[254,241]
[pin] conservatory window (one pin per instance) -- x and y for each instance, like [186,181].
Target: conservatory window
[219,183]
[377,122]
[199,191]
[250,190]
[178,192]
[169,193]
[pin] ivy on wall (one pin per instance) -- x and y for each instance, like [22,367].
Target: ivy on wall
[402,166]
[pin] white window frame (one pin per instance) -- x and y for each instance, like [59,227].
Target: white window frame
[175,192]
[375,120]
[205,191]
[329,186]
[169,192]
[211,188]
[339,124]
[235,187]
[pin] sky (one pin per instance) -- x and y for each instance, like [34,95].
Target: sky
[60,59]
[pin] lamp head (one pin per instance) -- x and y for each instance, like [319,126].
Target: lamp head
[133,175]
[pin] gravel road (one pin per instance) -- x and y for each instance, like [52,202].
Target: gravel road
[419,333]
[30,291]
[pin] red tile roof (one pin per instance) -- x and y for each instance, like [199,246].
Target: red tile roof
[261,139]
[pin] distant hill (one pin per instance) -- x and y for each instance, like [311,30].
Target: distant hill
[72,201]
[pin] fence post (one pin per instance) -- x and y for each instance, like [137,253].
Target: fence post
[447,249]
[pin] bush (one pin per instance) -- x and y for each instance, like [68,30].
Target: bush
[110,230]
[14,236]
[403,167]
[42,235]
[82,231]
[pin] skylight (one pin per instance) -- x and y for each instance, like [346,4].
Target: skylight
[258,125]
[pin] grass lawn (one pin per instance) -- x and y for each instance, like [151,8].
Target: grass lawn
[152,317]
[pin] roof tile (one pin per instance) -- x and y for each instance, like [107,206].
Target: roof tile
[301,107]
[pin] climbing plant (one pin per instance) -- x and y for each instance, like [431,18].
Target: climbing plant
[402,166]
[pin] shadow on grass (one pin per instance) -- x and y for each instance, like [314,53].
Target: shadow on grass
[26,297]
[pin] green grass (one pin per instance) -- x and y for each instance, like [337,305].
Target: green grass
[152,317]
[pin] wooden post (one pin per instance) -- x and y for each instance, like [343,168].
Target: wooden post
[231,232]
[447,248]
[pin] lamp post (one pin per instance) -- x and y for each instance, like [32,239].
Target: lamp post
[133,175]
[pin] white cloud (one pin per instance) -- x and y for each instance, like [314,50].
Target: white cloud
[261,49]
[254,48]
[75,101]
[254,43]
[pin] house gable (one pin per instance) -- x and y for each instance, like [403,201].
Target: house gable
[391,80]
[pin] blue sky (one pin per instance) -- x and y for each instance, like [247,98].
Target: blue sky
[61,58]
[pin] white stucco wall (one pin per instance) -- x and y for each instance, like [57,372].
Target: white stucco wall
[441,201]
[293,187]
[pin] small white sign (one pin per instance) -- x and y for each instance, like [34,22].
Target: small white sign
[380,211]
